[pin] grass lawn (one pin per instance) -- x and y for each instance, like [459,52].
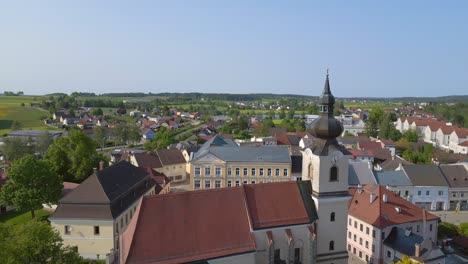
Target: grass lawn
[19,217]
[28,117]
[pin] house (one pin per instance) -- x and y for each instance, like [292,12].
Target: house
[392,164]
[396,181]
[148,133]
[443,137]
[261,223]
[403,242]
[388,144]
[351,142]
[462,148]
[56,116]
[457,178]
[360,173]
[171,162]
[92,216]
[362,155]
[430,188]
[457,137]
[373,213]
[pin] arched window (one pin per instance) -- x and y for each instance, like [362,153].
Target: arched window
[311,171]
[332,217]
[334,173]
[332,245]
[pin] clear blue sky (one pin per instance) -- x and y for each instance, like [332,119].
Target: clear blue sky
[373,48]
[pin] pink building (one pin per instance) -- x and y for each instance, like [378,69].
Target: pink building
[373,212]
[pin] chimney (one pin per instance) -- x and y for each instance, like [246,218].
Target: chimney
[417,250]
[372,197]
[101,165]
[384,198]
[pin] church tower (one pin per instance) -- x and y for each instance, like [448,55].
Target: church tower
[325,164]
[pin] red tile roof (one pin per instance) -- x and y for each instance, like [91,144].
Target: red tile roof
[191,226]
[147,160]
[446,129]
[369,145]
[198,225]
[461,132]
[382,214]
[464,144]
[170,156]
[275,204]
[361,153]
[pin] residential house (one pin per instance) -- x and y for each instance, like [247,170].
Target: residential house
[362,155]
[462,148]
[261,223]
[351,142]
[457,137]
[171,162]
[33,135]
[373,212]
[457,178]
[148,133]
[443,137]
[403,242]
[392,164]
[56,115]
[92,216]
[396,181]
[430,188]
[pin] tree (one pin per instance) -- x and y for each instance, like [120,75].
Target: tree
[121,111]
[387,129]
[73,157]
[99,135]
[35,242]
[31,183]
[15,148]
[410,135]
[459,120]
[373,122]
[43,142]
[97,112]
[71,112]
[405,260]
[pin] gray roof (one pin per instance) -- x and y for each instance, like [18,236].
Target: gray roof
[392,178]
[425,175]
[360,173]
[393,164]
[456,175]
[403,241]
[216,141]
[251,154]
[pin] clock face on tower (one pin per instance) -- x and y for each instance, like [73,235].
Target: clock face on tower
[335,156]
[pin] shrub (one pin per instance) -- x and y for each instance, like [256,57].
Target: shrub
[447,230]
[464,228]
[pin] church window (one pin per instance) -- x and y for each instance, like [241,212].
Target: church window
[331,246]
[333,173]
[332,217]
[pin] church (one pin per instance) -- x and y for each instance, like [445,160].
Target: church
[278,222]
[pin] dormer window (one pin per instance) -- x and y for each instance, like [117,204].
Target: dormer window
[333,174]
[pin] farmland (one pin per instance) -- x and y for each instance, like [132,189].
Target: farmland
[11,110]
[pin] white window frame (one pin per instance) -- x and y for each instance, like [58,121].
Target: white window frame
[207,184]
[197,168]
[195,184]
[229,183]
[253,171]
[229,171]
[261,172]
[217,183]
[245,172]
[237,171]
[207,171]
[277,172]
[218,171]
[269,172]
[237,183]
[285,172]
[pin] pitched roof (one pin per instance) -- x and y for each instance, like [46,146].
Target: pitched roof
[456,175]
[361,153]
[252,154]
[190,232]
[368,145]
[446,130]
[392,178]
[393,164]
[218,141]
[170,156]
[222,226]
[276,204]
[382,214]
[425,175]
[147,160]
[353,139]
[403,241]
[461,132]
[105,194]
[360,173]
[464,144]
[67,187]
[275,131]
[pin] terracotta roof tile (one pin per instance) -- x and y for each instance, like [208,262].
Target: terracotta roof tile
[464,144]
[170,156]
[446,129]
[147,160]
[461,132]
[275,204]
[368,145]
[192,226]
[382,214]
[361,153]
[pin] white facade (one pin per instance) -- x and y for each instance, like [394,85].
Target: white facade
[442,139]
[455,141]
[429,136]
[432,198]
[331,199]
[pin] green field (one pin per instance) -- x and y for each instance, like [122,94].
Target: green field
[21,217]
[28,117]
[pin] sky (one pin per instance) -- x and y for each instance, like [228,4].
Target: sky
[373,48]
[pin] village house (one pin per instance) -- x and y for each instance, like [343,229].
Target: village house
[457,178]
[92,216]
[171,162]
[457,138]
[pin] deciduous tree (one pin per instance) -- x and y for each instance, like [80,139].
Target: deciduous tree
[31,183]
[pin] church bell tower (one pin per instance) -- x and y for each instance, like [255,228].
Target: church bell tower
[325,164]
